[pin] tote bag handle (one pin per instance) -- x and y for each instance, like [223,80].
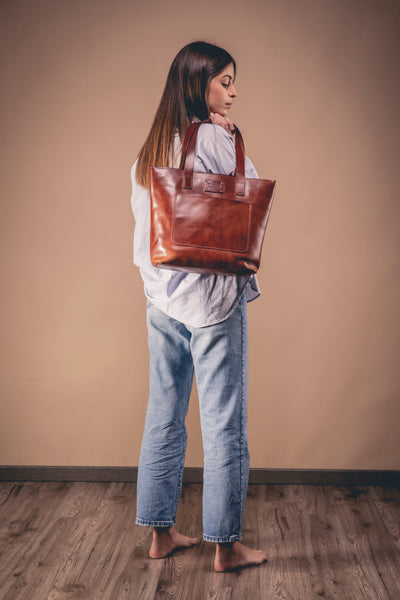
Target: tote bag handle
[189,147]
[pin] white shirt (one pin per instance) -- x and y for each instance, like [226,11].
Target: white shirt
[195,299]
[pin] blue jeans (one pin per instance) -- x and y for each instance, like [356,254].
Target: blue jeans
[218,356]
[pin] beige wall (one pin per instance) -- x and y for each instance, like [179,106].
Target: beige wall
[318,106]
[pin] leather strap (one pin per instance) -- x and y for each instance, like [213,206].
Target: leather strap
[189,147]
[188,136]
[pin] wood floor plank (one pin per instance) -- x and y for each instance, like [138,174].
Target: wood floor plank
[20,501]
[101,551]
[5,491]
[139,575]
[91,557]
[353,558]
[27,512]
[39,562]
[380,523]
[281,522]
[385,506]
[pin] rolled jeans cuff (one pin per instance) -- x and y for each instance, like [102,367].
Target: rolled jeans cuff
[222,539]
[155,523]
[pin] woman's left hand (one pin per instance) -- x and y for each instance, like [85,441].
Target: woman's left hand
[224,122]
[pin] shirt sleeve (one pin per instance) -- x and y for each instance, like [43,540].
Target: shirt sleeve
[215,152]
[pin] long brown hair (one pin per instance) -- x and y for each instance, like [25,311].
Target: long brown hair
[184,97]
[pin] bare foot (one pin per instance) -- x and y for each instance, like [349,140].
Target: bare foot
[236,556]
[166,540]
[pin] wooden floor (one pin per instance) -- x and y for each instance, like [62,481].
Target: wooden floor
[63,541]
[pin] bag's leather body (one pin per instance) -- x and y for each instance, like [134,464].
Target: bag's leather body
[208,222]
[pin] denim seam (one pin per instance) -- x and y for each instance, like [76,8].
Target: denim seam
[147,523]
[241,425]
[180,474]
[181,467]
[222,539]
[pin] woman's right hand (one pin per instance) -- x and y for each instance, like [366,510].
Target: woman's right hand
[224,122]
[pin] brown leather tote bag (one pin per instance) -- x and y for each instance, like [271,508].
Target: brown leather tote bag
[207,222]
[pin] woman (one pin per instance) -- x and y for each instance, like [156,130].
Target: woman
[196,324]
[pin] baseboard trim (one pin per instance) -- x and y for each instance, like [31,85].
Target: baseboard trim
[195,475]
